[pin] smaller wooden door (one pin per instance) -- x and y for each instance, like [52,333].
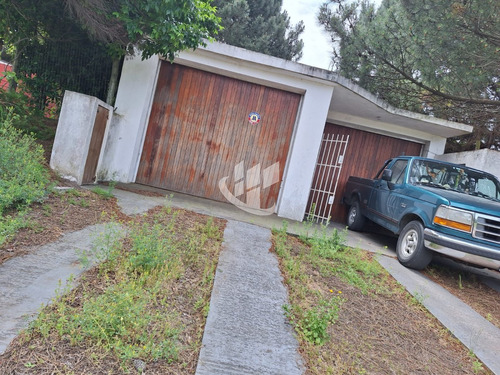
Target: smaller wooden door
[89,172]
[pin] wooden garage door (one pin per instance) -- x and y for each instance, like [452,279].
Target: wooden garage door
[364,155]
[199,132]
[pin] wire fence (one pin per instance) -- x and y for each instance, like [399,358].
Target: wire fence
[49,68]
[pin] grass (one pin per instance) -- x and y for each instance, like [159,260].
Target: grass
[105,193]
[326,248]
[351,317]
[139,302]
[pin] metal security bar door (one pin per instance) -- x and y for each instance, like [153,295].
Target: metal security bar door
[326,176]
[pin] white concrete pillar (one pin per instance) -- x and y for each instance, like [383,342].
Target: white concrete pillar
[303,152]
[132,108]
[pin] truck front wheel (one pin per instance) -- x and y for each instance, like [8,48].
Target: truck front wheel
[410,249]
[355,220]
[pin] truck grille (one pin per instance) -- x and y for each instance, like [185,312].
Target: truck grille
[487,228]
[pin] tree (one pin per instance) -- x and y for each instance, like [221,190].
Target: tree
[259,25]
[162,27]
[50,52]
[440,57]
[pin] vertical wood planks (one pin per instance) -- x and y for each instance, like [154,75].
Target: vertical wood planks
[199,131]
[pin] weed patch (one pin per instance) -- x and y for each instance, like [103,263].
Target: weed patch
[351,317]
[105,193]
[145,301]
[23,177]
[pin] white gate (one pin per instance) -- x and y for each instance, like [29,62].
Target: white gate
[326,176]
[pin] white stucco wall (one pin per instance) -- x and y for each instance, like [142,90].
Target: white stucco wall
[485,160]
[135,95]
[74,132]
[303,153]
[132,108]
[434,147]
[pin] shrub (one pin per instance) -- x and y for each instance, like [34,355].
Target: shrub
[23,177]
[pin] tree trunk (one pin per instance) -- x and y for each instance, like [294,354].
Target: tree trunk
[12,81]
[113,82]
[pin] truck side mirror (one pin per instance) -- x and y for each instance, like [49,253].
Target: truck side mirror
[387,175]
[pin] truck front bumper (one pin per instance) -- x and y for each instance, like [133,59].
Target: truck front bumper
[480,255]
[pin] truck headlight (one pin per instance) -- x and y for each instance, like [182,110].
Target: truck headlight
[453,218]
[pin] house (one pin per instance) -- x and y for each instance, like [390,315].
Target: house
[4,67]
[268,135]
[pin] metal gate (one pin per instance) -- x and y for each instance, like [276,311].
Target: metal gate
[326,176]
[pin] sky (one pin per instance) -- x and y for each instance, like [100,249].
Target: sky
[317,46]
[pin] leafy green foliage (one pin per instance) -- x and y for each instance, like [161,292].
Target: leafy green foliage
[10,224]
[23,177]
[259,25]
[165,27]
[77,45]
[436,57]
[18,109]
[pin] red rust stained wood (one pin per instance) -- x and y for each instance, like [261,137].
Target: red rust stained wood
[95,145]
[365,155]
[199,131]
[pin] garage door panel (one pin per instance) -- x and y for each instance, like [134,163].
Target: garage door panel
[364,155]
[199,131]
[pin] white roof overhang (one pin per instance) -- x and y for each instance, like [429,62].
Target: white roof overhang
[350,104]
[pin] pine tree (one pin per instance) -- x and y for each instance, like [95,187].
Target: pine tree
[440,57]
[259,25]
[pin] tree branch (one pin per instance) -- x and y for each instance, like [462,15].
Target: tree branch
[432,90]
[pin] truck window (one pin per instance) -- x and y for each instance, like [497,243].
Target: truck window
[379,173]
[487,187]
[398,171]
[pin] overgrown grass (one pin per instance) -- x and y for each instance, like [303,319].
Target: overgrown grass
[329,256]
[351,317]
[131,309]
[23,177]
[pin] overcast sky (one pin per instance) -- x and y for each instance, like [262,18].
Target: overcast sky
[317,46]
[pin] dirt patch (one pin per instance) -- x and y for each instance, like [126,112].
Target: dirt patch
[469,288]
[384,331]
[51,353]
[60,212]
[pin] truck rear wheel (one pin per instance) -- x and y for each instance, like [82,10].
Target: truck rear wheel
[410,249]
[355,220]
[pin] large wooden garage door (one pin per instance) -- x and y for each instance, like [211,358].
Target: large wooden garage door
[364,155]
[200,132]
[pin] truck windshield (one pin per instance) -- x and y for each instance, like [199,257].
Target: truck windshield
[454,177]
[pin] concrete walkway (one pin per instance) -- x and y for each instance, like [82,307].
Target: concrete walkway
[246,332]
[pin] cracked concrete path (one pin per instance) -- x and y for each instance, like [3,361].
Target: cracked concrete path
[246,330]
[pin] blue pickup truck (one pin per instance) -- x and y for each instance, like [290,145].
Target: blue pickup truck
[432,206]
